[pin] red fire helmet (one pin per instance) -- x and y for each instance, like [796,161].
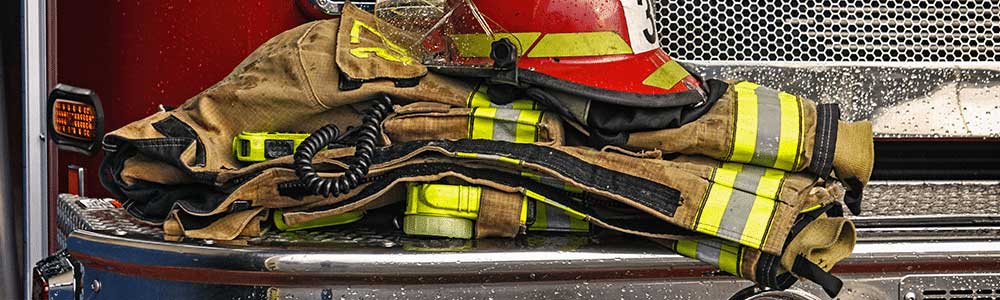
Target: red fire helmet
[606,45]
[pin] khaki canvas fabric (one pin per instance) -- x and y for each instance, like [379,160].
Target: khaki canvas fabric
[714,135]
[499,214]
[427,121]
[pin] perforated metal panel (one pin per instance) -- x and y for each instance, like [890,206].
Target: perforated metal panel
[860,30]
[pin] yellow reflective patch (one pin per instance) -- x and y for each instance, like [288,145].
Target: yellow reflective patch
[764,205]
[729,258]
[687,248]
[719,193]
[481,125]
[400,55]
[745,138]
[666,76]
[580,44]
[480,44]
[365,52]
[526,128]
[541,217]
[578,224]
[788,145]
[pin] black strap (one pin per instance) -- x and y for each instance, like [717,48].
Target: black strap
[806,269]
[855,191]
[825,144]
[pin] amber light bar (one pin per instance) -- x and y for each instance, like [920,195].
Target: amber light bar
[74,119]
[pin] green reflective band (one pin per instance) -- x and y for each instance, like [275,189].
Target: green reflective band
[768,127]
[740,203]
[723,254]
[503,124]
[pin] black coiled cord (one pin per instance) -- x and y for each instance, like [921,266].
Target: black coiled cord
[363,151]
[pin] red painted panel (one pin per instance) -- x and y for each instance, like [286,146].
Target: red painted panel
[138,54]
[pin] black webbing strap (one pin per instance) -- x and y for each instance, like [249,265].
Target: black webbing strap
[854,194]
[768,265]
[825,144]
[805,268]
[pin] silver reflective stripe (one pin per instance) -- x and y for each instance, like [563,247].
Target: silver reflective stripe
[709,250]
[557,220]
[768,127]
[734,219]
[505,124]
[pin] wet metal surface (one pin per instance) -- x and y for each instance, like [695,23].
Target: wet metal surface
[923,100]
[358,262]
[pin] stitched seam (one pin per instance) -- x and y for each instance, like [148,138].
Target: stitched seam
[298,52]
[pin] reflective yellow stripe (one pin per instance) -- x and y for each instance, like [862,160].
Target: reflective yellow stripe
[788,146]
[526,127]
[768,127]
[481,125]
[580,44]
[509,160]
[404,56]
[667,75]
[718,198]
[729,258]
[365,52]
[759,221]
[479,45]
[812,208]
[466,155]
[479,98]
[688,248]
[745,138]
[740,204]
[541,217]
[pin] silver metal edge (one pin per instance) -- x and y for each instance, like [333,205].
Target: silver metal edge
[387,263]
[35,144]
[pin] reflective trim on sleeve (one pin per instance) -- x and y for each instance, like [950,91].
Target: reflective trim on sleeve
[768,127]
[725,255]
[740,203]
[503,124]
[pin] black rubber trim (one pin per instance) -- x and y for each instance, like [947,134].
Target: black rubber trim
[613,97]
[825,144]
[172,127]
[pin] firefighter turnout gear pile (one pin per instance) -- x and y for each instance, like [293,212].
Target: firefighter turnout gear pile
[592,127]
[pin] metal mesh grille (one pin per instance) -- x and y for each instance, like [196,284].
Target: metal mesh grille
[860,30]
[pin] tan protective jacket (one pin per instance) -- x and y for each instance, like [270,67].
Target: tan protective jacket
[750,177]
